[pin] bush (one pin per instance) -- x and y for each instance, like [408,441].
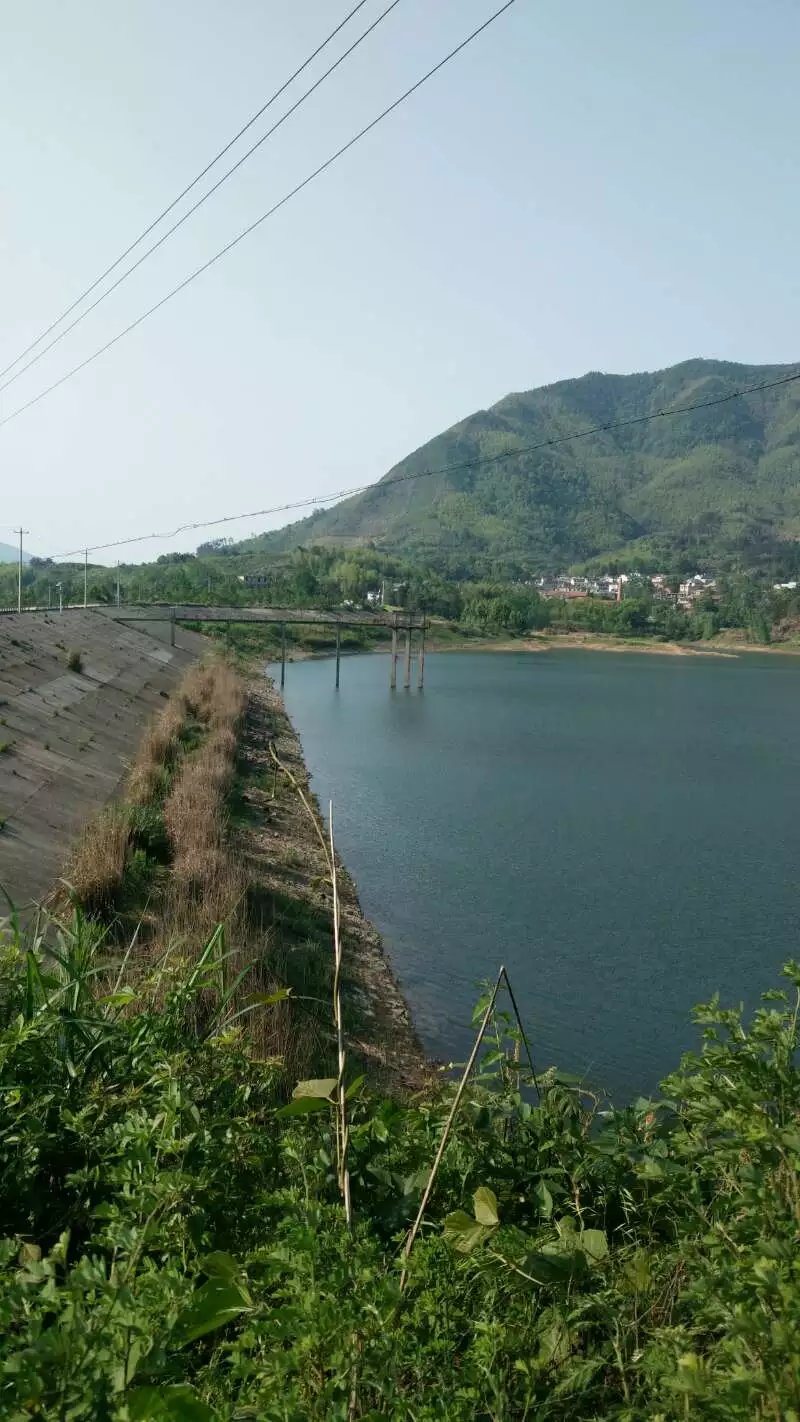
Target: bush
[176,1246]
[75,661]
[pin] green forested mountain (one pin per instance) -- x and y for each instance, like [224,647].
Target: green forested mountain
[719,484]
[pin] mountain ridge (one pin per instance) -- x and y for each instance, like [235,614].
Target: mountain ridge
[10,554]
[724,481]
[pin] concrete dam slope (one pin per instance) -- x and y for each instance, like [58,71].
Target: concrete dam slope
[69,732]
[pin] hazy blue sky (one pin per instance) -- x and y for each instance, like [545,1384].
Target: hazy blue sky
[591,186]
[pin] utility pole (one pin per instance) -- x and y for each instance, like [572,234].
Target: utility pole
[117,584]
[86,577]
[60,587]
[20,531]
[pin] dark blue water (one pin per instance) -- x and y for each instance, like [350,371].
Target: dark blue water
[619,830]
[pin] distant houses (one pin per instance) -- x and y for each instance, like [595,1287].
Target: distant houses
[614,587]
[567,585]
[693,588]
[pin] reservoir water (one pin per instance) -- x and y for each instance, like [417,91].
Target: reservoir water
[620,830]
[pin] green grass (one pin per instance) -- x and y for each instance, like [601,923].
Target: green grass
[176,1248]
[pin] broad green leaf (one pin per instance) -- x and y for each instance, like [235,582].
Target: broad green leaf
[220,1265]
[463,1232]
[567,1078]
[166,1404]
[485,1204]
[118,999]
[210,1307]
[354,1087]
[594,1243]
[266,999]
[650,1168]
[543,1199]
[304,1105]
[323,1087]
[414,1184]
[637,1271]
[567,1229]
[547,1268]
[554,1346]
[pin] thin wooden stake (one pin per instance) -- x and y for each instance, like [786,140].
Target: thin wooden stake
[329,851]
[341,1096]
[414,1231]
[523,1033]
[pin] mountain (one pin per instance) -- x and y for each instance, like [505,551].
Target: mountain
[9,554]
[718,484]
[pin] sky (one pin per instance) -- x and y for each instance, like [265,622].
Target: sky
[588,187]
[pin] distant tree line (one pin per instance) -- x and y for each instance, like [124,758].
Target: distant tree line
[222,572]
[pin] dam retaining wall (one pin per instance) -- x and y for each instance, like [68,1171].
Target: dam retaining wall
[77,690]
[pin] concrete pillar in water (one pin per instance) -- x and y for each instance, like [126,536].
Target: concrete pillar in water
[407,677]
[338,652]
[393,670]
[283,654]
[421,660]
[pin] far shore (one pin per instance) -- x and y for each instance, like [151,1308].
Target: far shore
[564,641]
[571,641]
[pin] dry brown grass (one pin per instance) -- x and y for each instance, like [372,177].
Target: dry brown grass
[206,886]
[207,883]
[212,697]
[96,869]
[156,753]
[194,809]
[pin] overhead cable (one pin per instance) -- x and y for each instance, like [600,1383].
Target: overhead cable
[193,184]
[287,197]
[190,211]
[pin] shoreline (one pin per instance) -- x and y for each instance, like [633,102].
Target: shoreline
[567,641]
[283,850]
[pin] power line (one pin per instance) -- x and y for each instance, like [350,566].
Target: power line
[477,462]
[190,211]
[193,184]
[223,252]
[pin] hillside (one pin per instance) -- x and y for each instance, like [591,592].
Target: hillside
[721,483]
[9,554]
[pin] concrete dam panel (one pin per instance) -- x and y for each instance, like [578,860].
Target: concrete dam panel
[67,736]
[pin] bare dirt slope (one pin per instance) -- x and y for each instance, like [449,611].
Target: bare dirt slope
[67,732]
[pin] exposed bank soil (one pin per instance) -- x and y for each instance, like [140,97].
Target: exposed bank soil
[571,641]
[284,858]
